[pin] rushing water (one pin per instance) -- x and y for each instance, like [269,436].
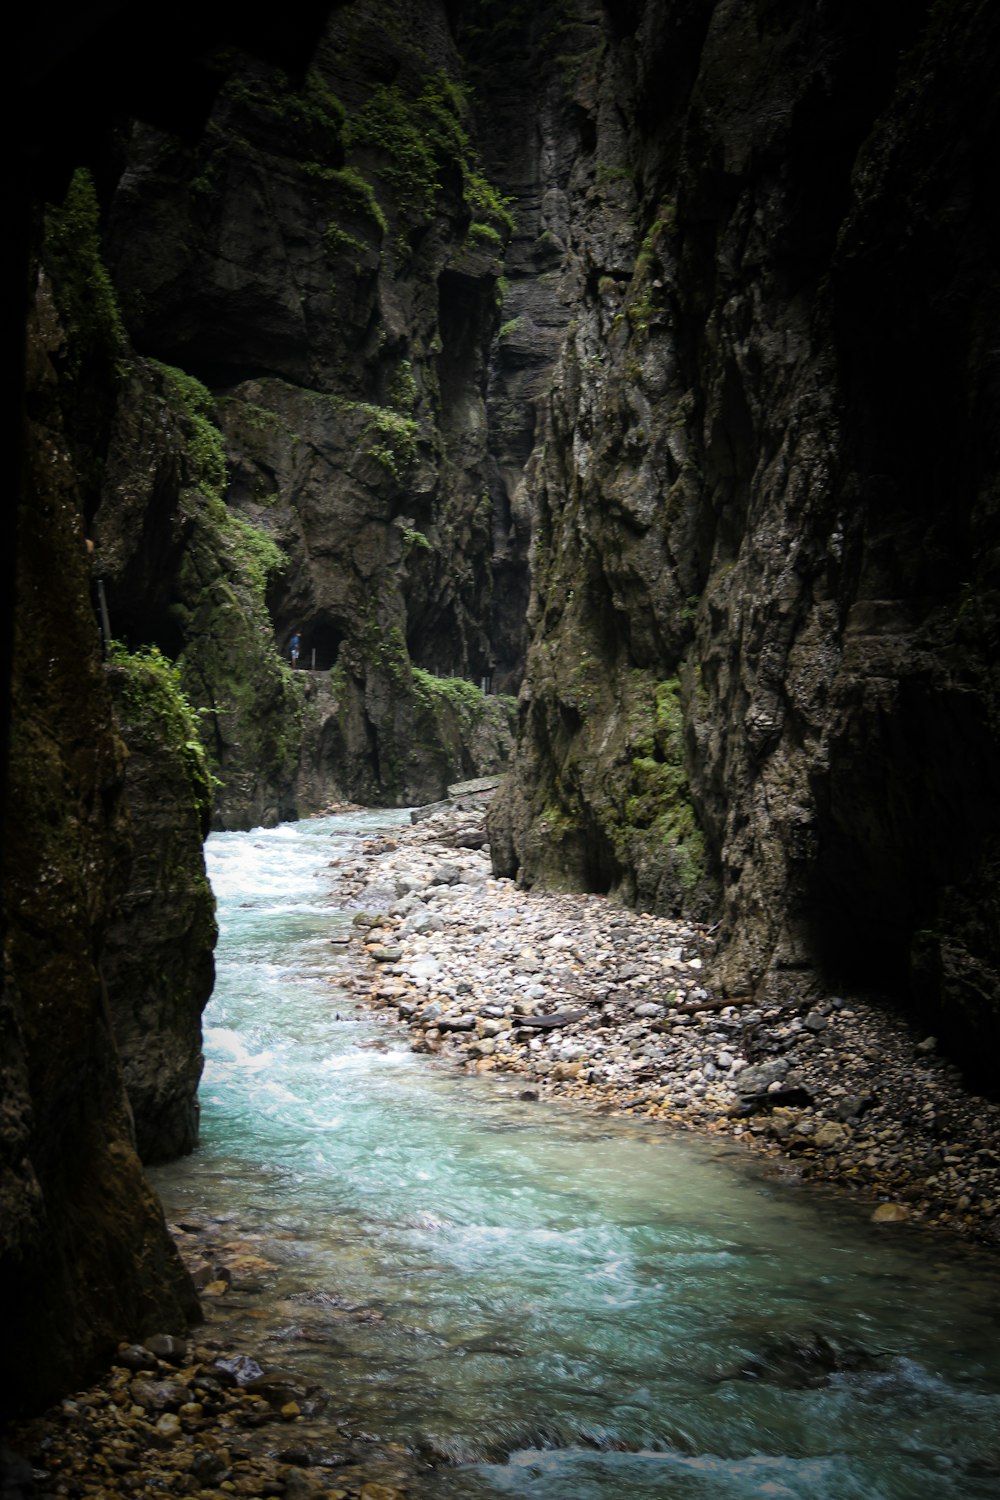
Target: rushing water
[560,1307]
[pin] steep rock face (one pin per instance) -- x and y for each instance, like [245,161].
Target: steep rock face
[766,502]
[85,1258]
[525,63]
[326,261]
[182,573]
[157,955]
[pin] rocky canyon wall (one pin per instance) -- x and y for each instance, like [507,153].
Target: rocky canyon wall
[698,301]
[762,681]
[318,279]
[85,1257]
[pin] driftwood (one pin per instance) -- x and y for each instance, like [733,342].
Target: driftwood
[694,1006]
[549,1023]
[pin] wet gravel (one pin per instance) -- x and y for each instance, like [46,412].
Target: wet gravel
[589,1002]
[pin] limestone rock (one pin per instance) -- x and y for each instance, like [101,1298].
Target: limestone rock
[328,256]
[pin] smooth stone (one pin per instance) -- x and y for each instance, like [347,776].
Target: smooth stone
[136,1357]
[890,1213]
[757,1078]
[167,1347]
[154,1395]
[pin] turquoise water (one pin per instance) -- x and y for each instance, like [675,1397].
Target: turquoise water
[552,1305]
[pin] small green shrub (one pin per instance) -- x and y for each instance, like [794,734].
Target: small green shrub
[457,692]
[402,388]
[257,550]
[415,541]
[353,190]
[154,704]
[312,109]
[205,445]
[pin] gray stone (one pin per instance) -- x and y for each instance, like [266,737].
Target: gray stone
[761,1076]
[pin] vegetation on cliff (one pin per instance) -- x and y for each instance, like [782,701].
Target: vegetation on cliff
[150,699]
[157,963]
[334,443]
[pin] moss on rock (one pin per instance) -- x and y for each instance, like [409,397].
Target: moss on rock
[158,964]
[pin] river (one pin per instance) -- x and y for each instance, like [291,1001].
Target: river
[554,1305]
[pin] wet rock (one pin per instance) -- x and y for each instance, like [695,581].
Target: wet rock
[807,1363]
[891,1213]
[136,1357]
[236,1370]
[553,1021]
[158,964]
[156,1395]
[853,1106]
[759,1077]
[167,1347]
[525,984]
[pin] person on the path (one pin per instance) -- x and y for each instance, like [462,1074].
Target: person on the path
[294,646]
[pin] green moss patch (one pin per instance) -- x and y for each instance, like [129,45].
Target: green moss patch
[149,697]
[420,138]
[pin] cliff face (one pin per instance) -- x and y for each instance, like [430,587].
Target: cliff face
[325,262]
[764,595]
[183,574]
[85,1258]
[157,954]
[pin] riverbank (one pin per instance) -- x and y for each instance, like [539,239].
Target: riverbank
[201,1417]
[609,1009]
[566,997]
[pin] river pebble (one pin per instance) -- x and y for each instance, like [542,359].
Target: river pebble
[198,1418]
[613,1009]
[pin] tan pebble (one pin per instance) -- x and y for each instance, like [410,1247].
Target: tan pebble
[168,1425]
[372,1491]
[890,1213]
[215,1289]
[291,1410]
